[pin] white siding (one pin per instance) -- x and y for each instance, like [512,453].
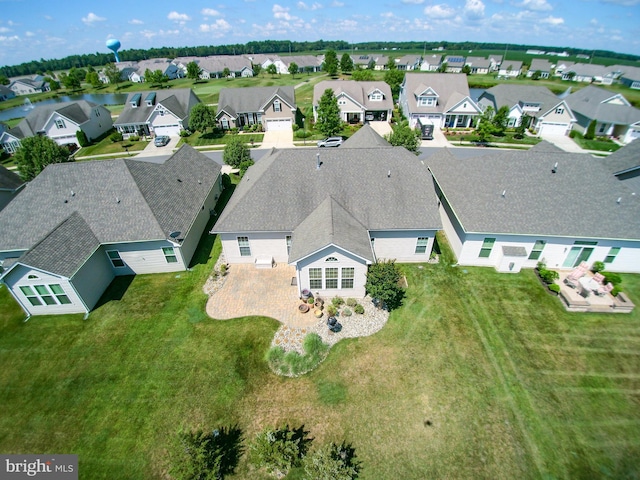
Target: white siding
[192,239]
[401,245]
[452,229]
[146,257]
[19,276]
[345,260]
[64,135]
[93,278]
[261,243]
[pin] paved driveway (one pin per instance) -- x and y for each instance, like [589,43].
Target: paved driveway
[564,143]
[268,292]
[439,140]
[277,139]
[381,128]
[152,151]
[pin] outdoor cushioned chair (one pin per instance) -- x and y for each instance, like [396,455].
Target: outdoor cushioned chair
[603,290]
[598,277]
[570,282]
[576,273]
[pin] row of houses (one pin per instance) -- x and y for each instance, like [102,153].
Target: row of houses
[440,100]
[68,233]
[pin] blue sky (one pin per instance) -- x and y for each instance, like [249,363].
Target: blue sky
[34,29]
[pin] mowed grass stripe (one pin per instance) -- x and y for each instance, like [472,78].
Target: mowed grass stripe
[578,336]
[560,373]
[577,349]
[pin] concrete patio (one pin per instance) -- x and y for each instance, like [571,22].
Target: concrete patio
[268,292]
[574,301]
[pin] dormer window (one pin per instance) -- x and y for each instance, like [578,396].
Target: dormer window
[342,101]
[375,97]
[427,101]
[560,110]
[60,123]
[277,107]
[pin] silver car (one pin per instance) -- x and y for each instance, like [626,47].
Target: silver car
[330,142]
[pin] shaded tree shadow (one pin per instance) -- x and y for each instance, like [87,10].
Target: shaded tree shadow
[347,454]
[301,437]
[228,442]
[116,290]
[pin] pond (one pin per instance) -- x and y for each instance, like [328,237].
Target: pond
[99,98]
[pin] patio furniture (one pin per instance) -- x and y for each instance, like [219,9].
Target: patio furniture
[598,277]
[584,265]
[604,289]
[576,273]
[588,285]
[570,282]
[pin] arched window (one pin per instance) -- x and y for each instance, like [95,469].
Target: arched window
[276,106]
[331,259]
[32,277]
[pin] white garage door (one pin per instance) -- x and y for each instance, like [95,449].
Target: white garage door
[279,124]
[170,130]
[547,128]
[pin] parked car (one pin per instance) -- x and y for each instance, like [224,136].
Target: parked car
[161,140]
[330,142]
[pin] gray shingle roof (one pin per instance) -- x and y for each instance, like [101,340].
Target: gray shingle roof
[625,159]
[121,200]
[450,87]
[178,102]
[284,187]
[65,249]
[9,180]
[253,99]
[358,91]
[366,137]
[78,111]
[540,64]
[330,224]
[510,95]
[588,102]
[579,200]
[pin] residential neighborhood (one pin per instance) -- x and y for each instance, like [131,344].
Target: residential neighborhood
[432,269]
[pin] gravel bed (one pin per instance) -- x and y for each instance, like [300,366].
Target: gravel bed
[356,325]
[216,279]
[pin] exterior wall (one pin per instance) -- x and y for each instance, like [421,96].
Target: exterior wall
[349,107]
[401,245]
[19,276]
[145,257]
[435,118]
[345,259]
[190,243]
[285,111]
[452,229]
[93,278]
[231,120]
[554,253]
[262,244]
[156,120]
[62,136]
[100,122]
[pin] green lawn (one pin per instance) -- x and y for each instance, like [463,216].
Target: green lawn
[198,139]
[478,375]
[471,136]
[604,145]
[106,146]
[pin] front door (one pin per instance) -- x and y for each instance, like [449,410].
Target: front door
[577,255]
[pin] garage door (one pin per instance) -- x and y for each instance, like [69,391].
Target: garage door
[170,130]
[547,128]
[279,124]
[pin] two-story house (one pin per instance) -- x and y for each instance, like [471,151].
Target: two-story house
[359,102]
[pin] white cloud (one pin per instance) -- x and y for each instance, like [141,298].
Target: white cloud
[474,10]
[537,5]
[439,11]
[336,3]
[4,30]
[553,20]
[281,13]
[135,21]
[8,40]
[313,6]
[387,14]
[219,26]
[149,34]
[48,17]
[91,18]
[210,12]
[180,18]
[593,22]
[29,34]
[624,3]
[413,2]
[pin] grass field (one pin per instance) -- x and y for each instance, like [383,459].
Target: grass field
[478,375]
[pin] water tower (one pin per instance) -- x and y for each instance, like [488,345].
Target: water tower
[113,44]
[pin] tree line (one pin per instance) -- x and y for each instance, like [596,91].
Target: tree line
[99,59]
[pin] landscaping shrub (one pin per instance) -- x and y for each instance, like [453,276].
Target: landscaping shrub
[115,137]
[610,277]
[134,138]
[82,138]
[185,133]
[548,276]
[276,450]
[335,462]
[331,310]
[591,131]
[346,312]
[302,133]
[337,301]
[554,287]
[359,309]
[597,267]
[573,133]
[351,302]
[616,291]
[294,364]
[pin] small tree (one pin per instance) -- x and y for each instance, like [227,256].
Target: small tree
[70,82]
[236,152]
[112,73]
[466,70]
[278,450]
[272,69]
[443,67]
[330,64]
[394,78]
[257,68]
[403,136]
[202,118]
[329,122]
[591,131]
[93,79]
[346,63]
[83,141]
[536,75]
[193,70]
[500,120]
[383,284]
[35,153]
[293,69]
[331,462]
[226,73]
[360,74]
